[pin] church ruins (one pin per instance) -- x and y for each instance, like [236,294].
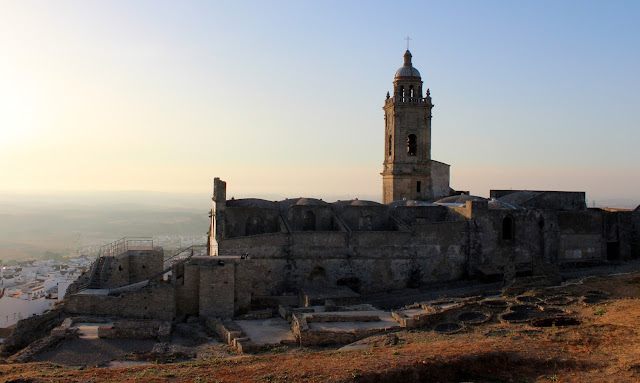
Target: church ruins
[262,254]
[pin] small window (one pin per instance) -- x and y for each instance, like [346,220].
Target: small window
[309,221]
[508,228]
[412,145]
[411,91]
[390,144]
[418,186]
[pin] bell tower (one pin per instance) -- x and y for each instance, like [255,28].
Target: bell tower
[407,167]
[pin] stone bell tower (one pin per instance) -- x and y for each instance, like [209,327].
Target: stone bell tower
[408,171]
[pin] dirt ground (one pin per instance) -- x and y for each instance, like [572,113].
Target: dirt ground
[603,347]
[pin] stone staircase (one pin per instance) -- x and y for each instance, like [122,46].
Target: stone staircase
[97,272]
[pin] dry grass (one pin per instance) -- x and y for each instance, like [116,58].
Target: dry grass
[605,347]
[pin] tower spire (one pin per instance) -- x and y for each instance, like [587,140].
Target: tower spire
[408,39]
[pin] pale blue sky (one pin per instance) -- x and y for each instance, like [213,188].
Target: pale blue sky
[284,98]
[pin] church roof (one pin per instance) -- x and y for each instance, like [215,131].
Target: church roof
[338,205]
[285,204]
[410,203]
[407,70]
[460,199]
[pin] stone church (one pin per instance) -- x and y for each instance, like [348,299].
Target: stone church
[261,253]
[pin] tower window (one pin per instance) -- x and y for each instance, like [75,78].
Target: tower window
[402,92]
[390,145]
[508,228]
[411,91]
[418,186]
[412,146]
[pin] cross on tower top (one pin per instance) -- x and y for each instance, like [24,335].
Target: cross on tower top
[408,39]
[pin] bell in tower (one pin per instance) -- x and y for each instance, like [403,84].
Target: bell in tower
[408,171]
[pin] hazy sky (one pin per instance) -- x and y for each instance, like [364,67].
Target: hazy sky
[285,98]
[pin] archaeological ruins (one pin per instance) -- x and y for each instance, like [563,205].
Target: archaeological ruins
[282,258]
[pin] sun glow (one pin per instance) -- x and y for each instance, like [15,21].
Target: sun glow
[18,110]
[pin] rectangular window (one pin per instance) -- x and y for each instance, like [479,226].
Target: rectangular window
[418,186]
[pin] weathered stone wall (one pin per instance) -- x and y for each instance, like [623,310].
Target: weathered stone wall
[258,246]
[366,218]
[548,200]
[581,236]
[117,272]
[440,179]
[322,217]
[132,267]
[225,329]
[495,248]
[217,289]
[187,289]
[145,264]
[250,221]
[309,337]
[136,330]
[412,215]
[151,302]
[318,244]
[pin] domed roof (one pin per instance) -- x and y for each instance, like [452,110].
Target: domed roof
[285,204]
[501,204]
[407,70]
[519,197]
[460,199]
[338,205]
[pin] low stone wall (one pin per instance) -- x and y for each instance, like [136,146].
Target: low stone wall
[226,330]
[258,314]
[150,302]
[336,317]
[307,337]
[137,330]
[420,320]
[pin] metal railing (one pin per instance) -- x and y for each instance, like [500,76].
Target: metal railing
[182,256]
[406,100]
[125,244]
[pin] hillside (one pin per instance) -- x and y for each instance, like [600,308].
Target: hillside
[602,346]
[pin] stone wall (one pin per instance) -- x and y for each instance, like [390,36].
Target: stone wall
[217,289]
[440,180]
[413,215]
[187,289]
[547,200]
[581,236]
[320,218]
[136,330]
[132,267]
[151,302]
[366,218]
[308,337]
[250,221]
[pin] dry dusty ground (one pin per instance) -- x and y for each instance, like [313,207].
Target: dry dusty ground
[604,347]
